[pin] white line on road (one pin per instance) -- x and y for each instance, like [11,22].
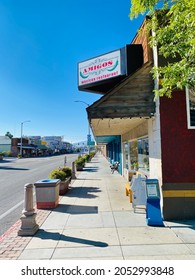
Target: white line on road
[10,210]
[13,208]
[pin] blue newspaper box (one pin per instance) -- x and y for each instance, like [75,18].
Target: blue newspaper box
[153,210]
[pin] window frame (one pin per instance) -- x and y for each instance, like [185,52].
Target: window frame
[188,110]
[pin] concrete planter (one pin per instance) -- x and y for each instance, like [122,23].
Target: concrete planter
[64,186]
[47,193]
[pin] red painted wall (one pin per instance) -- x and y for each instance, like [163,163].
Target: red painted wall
[178,142]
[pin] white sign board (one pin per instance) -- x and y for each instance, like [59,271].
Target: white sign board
[138,187]
[100,68]
[152,190]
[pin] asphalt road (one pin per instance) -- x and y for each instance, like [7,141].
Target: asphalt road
[14,174]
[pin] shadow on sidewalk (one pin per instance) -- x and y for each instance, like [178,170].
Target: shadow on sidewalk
[83,192]
[90,169]
[92,179]
[76,209]
[42,234]
[174,224]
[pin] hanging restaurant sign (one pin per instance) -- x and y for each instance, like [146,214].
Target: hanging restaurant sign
[100,68]
[101,73]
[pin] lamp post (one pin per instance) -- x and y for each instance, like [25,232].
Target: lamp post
[22,136]
[89,135]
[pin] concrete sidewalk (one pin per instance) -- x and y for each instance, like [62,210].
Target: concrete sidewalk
[95,220]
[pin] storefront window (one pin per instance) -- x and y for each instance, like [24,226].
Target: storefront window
[139,154]
[143,154]
[126,155]
[134,155]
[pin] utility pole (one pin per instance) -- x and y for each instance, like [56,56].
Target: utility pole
[22,123]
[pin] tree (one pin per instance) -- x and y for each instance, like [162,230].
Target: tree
[9,135]
[173,22]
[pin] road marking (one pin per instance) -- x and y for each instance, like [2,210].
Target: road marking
[11,209]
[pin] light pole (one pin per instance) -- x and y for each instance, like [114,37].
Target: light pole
[89,135]
[22,136]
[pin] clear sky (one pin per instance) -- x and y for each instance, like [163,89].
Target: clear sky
[41,43]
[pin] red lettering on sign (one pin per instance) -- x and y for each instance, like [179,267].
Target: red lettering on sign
[98,66]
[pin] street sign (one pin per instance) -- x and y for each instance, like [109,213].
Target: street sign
[91,143]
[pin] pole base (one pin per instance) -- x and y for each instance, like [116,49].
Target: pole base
[28,225]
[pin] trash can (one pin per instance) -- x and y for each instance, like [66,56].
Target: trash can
[47,193]
[153,209]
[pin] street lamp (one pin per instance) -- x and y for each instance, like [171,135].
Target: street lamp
[22,136]
[89,135]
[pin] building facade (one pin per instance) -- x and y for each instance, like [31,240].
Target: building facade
[39,146]
[152,136]
[5,144]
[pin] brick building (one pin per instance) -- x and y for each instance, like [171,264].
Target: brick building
[151,136]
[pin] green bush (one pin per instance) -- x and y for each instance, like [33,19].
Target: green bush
[61,173]
[9,154]
[80,161]
[67,170]
[57,174]
[6,154]
[86,158]
[92,154]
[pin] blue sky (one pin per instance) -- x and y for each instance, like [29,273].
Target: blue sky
[41,43]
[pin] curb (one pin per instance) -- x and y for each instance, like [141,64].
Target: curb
[12,245]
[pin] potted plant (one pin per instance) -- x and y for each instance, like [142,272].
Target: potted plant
[92,154]
[134,165]
[86,157]
[68,175]
[80,163]
[146,163]
[64,175]
[67,170]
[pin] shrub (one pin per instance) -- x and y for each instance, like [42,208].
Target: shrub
[92,154]
[67,170]
[80,161]
[57,174]
[86,158]
[61,173]
[9,154]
